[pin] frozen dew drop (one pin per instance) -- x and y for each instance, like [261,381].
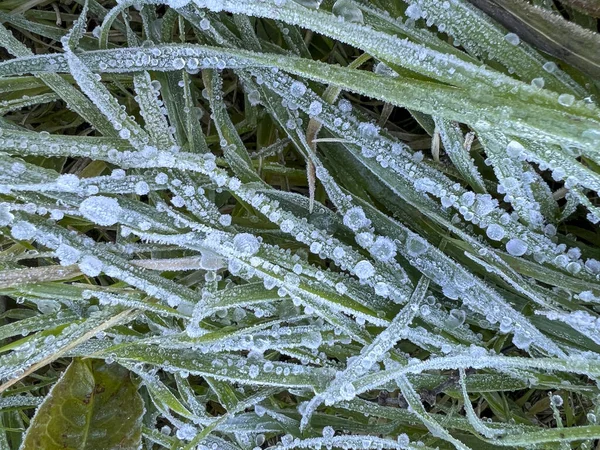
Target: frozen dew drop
[345,106]
[349,11]
[514,149]
[495,232]
[67,181]
[315,108]
[416,245]
[23,230]
[297,89]
[364,269]
[260,410]
[90,266]
[186,432]
[225,220]
[104,211]
[253,371]
[142,188]
[124,133]
[287,226]
[328,432]
[516,247]
[566,99]
[204,24]
[403,440]
[246,244]
[512,39]
[550,67]
[383,249]
[355,218]
[414,11]
[67,255]
[456,318]
[6,216]
[161,178]
[347,392]
[254,97]
[557,400]
[522,340]
[178,63]
[537,83]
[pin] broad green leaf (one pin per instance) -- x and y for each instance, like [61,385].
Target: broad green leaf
[92,406]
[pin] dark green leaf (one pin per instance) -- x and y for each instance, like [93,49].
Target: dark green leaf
[93,406]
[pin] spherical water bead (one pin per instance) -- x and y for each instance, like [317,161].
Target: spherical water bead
[90,266]
[591,417]
[315,108]
[312,4]
[557,400]
[364,269]
[104,211]
[384,249]
[495,232]
[516,247]
[566,99]
[124,133]
[142,188]
[456,318]
[416,245]
[328,432]
[514,149]
[512,39]
[297,89]
[67,255]
[355,218]
[246,244]
[414,12]
[347,10]
[6,217]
